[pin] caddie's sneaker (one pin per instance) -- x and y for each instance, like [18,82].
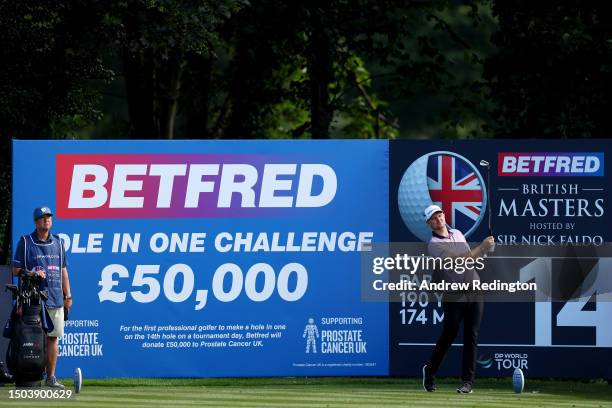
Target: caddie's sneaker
[429,381]
[466,388]
[53,383]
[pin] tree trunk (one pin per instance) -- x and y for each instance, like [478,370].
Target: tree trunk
[240,95]
[152,82]
[152,91]
[139,80]
[5,203]
[195,98]
[167,89]
[321,75]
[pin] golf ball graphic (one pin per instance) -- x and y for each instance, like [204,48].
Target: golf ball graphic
[446,179]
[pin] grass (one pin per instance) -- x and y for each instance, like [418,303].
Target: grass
[324,392]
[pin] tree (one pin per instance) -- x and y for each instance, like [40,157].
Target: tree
[551,75]
[157,39]
[51,52]
[258,79]
[285,61]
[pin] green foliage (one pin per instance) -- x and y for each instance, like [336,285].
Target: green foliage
[405,45]
[363,114]
[262,55]
[166,27]
[156,39]
[551,74]
[271,68]
[50,52]
[419,69]
[283,120]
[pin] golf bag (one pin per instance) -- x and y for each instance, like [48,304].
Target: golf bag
[26,355]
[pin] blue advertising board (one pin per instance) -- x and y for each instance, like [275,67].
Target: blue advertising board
[243,258]
[541,194]
[210,258]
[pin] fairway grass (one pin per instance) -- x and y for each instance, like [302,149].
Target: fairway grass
[323,392]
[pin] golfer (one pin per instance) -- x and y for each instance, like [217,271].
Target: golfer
[43,254]
[458,307]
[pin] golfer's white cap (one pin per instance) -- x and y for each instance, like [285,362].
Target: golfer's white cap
[430,211]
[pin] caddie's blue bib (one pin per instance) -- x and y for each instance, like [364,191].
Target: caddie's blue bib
[34,254]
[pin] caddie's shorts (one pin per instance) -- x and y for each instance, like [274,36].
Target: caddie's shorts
[57,317]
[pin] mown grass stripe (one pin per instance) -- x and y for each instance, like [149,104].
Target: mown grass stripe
[197,399]
[426,398]
[326,392]
[367,393]
[225,402]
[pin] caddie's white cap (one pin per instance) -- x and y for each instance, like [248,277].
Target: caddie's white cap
[430,211]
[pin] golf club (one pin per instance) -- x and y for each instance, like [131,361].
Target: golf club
[486,164]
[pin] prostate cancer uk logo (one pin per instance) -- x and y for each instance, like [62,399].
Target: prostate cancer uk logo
[188,185]
[550,164]
[448,180]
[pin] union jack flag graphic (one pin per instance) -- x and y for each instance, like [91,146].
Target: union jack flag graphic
[456,186]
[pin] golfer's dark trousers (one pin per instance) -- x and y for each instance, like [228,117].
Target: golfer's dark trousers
[470,311]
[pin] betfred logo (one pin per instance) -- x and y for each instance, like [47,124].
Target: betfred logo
[187,185]
[550,164]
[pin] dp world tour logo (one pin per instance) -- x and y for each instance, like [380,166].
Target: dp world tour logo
[484,362]
[448,180]
[504,361]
